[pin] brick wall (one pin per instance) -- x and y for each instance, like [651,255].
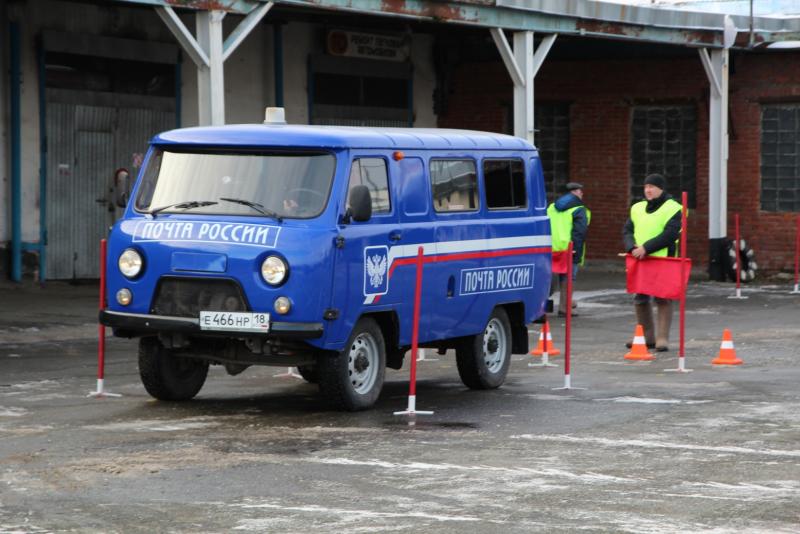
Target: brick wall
[602,94]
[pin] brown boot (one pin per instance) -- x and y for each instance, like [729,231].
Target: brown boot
[644,317]
[664,322]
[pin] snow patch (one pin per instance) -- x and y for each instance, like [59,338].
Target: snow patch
[640,400]
[158,425]
[628,444]
[12,412]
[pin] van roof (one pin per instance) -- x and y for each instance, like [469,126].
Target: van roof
[290,135]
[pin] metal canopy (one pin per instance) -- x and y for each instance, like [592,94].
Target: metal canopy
[590,18]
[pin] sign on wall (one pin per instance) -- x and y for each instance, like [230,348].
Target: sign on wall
[368,45]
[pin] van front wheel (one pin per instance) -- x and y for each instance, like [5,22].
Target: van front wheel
[169,377]
[483,359]
[353,378]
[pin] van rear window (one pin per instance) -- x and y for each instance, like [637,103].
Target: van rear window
[454,184]
[504,183]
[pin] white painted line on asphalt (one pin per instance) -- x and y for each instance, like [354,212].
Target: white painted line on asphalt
[627,444]
[352,514]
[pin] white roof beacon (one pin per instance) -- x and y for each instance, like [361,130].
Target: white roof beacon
[274,116]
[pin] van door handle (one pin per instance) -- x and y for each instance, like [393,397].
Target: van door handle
[397,235]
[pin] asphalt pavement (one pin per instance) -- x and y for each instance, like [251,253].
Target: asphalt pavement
[639,449]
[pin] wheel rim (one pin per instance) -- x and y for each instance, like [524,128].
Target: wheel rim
[362,363]
[494,345]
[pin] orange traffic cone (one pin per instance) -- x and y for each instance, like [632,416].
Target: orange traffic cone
[727,354]
[639,347]
[545,340]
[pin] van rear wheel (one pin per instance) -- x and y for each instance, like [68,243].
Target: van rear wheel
[169,377]
[353,378]
[483,359]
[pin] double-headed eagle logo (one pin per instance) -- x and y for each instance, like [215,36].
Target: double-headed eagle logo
[376,269]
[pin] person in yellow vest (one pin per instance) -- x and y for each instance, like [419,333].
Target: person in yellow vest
[569,221]
[653,229]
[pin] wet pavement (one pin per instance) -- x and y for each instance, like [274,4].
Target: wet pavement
[639,450]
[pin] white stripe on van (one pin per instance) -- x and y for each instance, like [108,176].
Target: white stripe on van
[454,247]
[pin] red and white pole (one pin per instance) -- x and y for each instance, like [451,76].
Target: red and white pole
[568,327]
[412,386]
[682,344]
[738,259]
[797,258]
[101,330]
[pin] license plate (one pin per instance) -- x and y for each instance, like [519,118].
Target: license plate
[237,321]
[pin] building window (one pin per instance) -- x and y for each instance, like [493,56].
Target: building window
[663,141]
[360,92]
[454,184]
[780,157]
[551,122]
[371,172]
[504,183]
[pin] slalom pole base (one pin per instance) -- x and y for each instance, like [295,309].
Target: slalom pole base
[100,393]
[412,408]
[567,384]
[290,373]
[681,366]
[544,363]
[796,290]
[738,295]
[421,357]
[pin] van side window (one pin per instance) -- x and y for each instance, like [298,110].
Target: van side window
[504,183]
[371,172]
[454,184]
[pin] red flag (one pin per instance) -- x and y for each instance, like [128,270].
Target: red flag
[657,276]
[560,262]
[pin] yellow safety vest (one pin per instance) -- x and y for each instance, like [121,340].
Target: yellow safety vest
[561,228]
[646,226]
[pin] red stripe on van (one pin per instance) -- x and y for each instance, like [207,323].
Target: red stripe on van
[456,256]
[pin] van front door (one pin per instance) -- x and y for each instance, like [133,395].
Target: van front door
[361,276]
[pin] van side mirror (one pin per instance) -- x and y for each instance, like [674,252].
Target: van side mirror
[360,204]
[122,187]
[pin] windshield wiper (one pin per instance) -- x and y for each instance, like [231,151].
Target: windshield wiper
[256,206]
[182,205]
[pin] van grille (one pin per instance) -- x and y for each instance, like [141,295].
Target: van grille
[186,297]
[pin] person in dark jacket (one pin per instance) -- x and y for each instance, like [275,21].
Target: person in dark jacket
[569,221]
[653,229]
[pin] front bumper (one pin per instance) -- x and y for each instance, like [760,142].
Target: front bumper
[132,324]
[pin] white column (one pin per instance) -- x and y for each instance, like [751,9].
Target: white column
[716,66]
[523,93]
[522,65]
[209,52]
[211,78]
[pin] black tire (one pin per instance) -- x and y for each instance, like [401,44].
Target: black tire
[746,256]
[310,373]
[352,379]
[483,359]
[168,377]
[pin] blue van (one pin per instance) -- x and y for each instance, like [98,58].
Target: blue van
[276,244]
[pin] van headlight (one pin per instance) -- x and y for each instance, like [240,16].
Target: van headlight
[273,270]
[130,263]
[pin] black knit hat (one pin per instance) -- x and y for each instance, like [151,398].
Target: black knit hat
[572,186]
[656,180]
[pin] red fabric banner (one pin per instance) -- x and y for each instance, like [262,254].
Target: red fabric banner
[657,276]
[560,262]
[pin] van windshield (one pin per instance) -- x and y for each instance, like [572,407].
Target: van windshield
[293,185]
